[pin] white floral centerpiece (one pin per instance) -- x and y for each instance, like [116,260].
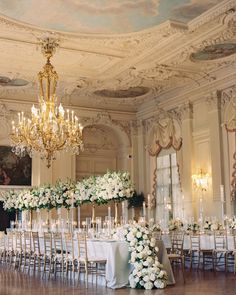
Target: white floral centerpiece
[147,273]
[10,200]
[175,224]
[155,227]
[85,190]
[115,186]
[193,227]
[212,225]
[232,223]
[63,194]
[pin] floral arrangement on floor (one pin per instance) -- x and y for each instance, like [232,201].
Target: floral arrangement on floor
[212,225]
[147,271]
[115,186]
[193,227]
[175,224]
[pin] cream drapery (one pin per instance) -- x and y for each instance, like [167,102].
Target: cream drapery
[230,125]
[164,133]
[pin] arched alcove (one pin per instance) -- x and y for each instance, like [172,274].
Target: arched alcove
[105,148]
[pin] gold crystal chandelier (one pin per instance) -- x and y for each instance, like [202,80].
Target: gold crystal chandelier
[50,129]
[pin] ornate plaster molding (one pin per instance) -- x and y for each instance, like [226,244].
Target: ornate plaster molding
[106,119]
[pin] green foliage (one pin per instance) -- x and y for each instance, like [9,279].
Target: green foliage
[136,201]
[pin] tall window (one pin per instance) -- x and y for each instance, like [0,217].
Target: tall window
[169,200]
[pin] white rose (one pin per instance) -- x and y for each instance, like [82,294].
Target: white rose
[138,234]
[132,260]
[146,278]
[139,248]
[132,243]
[132,283]
[141,283]
[145,263]
[149,260]
[152,277]
[159,284]
[140,255]
[148,285]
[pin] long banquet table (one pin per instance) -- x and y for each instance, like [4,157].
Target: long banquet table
[117,255]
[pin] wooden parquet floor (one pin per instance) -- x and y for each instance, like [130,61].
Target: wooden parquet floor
[14,282]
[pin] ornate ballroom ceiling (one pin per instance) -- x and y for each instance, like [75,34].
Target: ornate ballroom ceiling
[117,55]
[103,16]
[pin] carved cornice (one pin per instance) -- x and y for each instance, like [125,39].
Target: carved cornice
[217,11]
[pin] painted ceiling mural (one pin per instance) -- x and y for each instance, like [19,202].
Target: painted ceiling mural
[103,16]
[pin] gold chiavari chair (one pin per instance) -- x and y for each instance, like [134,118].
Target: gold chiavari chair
[232,253]
[48,255]
[221,248]
[10,254]
[18,249]
[69,252]
[86,263]
[2,246]
[27,248]
[176,256]
[58,252]
[207,254]
[37,255]
[194,251]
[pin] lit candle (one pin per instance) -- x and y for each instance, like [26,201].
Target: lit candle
[222,197]
[109,212]
[78,216]
[132,213]
[149,201]
[123,209]
[144,209]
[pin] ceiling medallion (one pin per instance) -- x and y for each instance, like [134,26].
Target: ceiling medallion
[123,93]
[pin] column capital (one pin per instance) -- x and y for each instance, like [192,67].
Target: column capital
[213,101]
[186,111]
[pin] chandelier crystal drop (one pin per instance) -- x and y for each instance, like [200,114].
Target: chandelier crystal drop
[50,128]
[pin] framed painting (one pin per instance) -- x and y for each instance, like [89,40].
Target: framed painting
[14,171]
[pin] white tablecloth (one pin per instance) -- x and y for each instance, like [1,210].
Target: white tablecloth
[117,255]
